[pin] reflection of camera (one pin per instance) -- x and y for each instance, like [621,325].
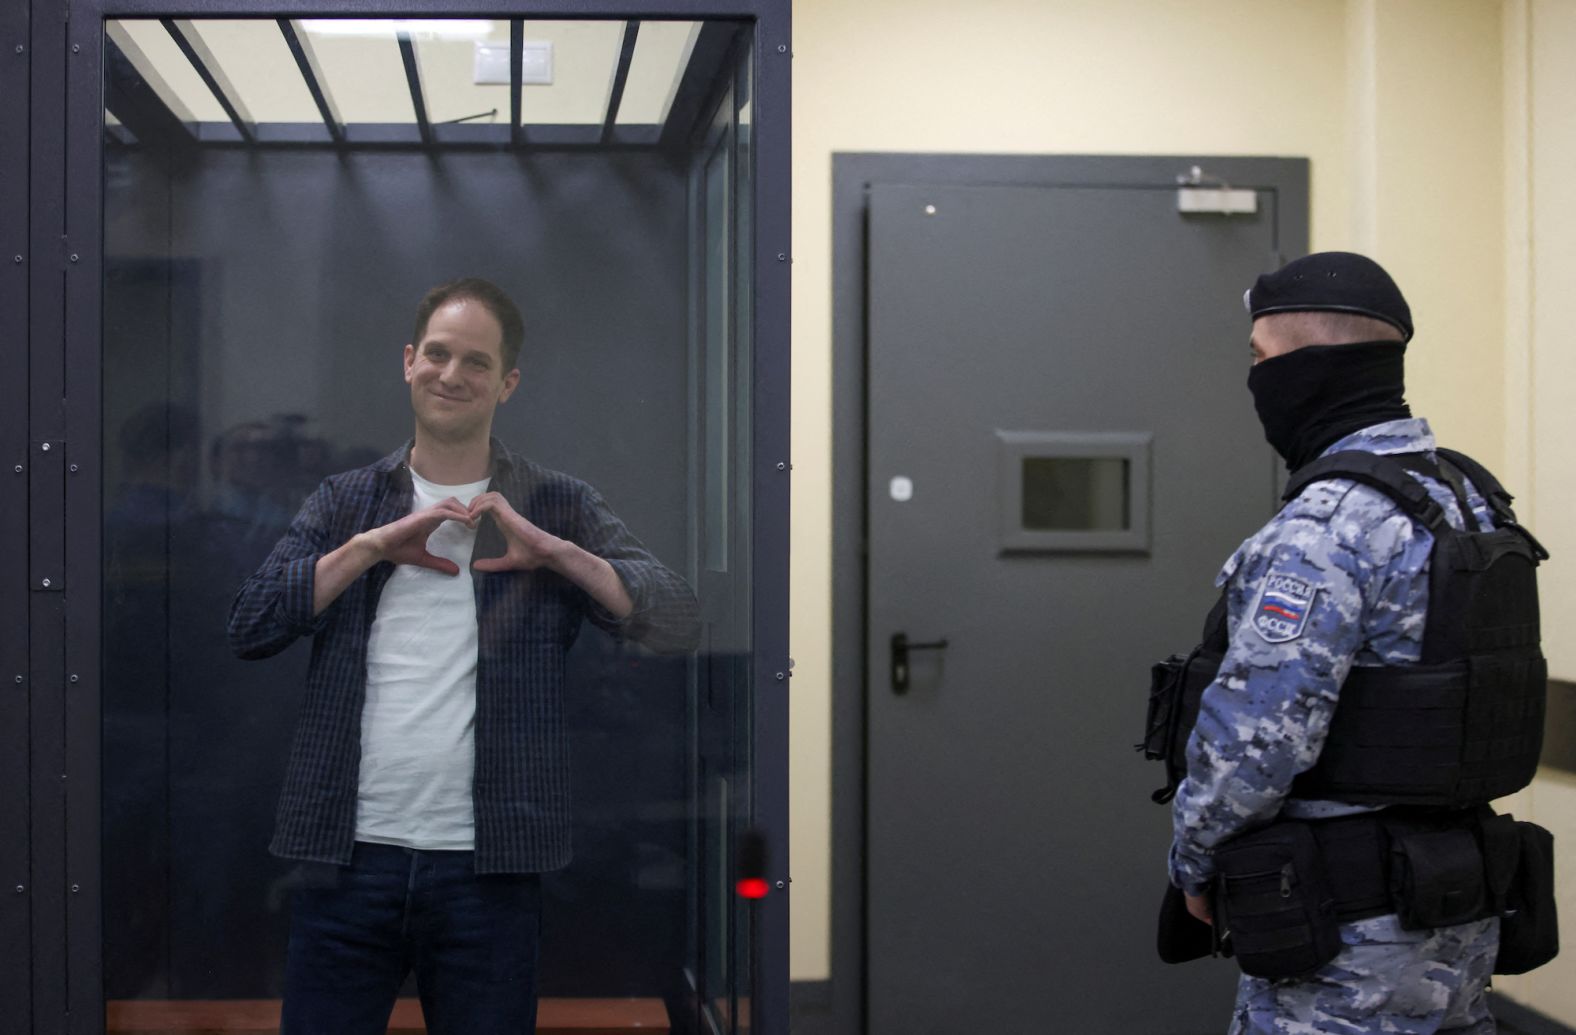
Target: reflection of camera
[269,456]
[262,468]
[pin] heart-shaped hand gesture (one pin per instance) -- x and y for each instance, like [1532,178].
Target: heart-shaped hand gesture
[405,541]
[527,547]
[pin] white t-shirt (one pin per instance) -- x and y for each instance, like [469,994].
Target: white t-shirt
[418,723]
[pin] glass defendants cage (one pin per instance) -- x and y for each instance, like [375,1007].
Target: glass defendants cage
[217,218]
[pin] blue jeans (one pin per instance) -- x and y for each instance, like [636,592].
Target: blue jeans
[471,940]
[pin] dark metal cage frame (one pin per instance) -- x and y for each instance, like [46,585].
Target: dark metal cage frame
[145,115]
[53,58]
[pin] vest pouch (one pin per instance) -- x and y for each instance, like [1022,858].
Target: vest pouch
[1176,688]
[1165,690]
[1437,879]
[1273,901]
[1529,932]
[1501,839]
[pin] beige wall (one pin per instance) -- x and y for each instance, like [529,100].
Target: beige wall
[1438,215]
[1551,285]
[1540,234]
[1069,76]
[1409,111]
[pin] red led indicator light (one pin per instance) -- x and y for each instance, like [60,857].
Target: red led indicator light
[752,887]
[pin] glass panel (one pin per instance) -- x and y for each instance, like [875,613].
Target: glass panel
[1065,493]
[719,335]
[1070,492]
[272,737]
[584,56]
[448,72]
[721,246]
[155,55]
[258,63]
[662,52]
[362,69]
[364,74]
[743,367]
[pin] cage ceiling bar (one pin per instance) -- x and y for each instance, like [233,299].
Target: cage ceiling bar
[407,53]
[626,57]
[707,61]
[191,43]
[312,71]
[516,58]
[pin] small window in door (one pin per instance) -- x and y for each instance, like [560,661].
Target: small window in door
[1064,492]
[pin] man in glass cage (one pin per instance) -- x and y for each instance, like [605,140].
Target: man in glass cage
[442,586]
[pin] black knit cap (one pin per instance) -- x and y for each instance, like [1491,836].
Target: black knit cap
[1341,281]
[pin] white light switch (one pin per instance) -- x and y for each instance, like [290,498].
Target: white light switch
[492,64]
[536,63]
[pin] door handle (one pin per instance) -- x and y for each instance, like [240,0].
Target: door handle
[900,649]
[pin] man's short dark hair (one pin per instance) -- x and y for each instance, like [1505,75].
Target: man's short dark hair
[484,293]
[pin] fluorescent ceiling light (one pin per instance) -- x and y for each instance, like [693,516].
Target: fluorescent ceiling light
[450,28]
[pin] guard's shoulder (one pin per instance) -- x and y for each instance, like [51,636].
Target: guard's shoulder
[1363,508]
[1362,521]
[1358,520]
[1319,500]
[1344,500]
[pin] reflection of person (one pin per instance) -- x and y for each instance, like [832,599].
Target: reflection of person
[442,586]
[158,448]
[1341,578]
[260,470]
[149,508]
[250,464]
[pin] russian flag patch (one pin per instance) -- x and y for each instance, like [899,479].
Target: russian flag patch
[1281,612]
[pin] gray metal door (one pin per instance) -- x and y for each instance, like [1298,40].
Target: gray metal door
[1062,451]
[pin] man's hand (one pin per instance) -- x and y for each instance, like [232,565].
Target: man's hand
[526,546]
[399,542]
[405,541]
[1198,905]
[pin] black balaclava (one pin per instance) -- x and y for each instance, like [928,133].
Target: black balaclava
[1309,399]
[1312,397]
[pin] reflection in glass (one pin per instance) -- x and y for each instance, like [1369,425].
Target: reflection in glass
[584,55]
[744,245]
[254,56]
[719,339]
[362,71]
[363,74]
[165,69]
[722,246]
[1065,493]
[662,53]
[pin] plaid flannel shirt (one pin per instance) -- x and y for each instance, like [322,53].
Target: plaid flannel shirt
[526,624]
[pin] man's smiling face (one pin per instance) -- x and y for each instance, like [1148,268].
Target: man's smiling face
[456,373]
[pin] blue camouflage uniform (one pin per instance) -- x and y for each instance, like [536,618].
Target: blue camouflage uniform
[1338,578]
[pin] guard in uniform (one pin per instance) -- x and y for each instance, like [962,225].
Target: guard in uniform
[1352,863]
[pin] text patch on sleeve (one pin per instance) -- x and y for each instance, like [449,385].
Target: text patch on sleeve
[1281,613]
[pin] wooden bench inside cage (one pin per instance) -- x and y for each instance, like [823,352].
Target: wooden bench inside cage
[261,1017]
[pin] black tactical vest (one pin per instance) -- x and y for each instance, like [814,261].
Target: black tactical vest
[1461,727]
